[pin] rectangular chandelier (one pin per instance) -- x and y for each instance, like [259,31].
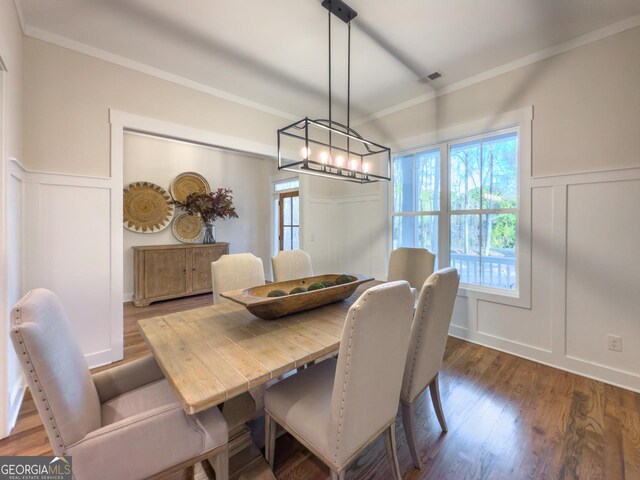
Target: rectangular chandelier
[329,149]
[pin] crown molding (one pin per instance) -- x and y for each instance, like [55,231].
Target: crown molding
[85,49]
[564,47]
[558,49]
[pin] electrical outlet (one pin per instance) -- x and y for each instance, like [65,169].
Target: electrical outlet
[614,343]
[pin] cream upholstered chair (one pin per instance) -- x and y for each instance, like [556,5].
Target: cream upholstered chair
[124,422]
[235,271]
[426,349]
[338,407]
[411,264]
[291,264]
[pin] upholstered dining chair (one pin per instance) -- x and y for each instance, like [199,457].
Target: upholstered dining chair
[291,264]
[426,349]
[411,264]
[124,422]
[338,407]
[235,271]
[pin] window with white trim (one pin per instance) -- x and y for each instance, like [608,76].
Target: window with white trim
[416,199]
[459,199]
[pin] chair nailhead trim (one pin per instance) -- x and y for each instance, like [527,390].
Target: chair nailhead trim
[419,339]
[346,376]
[17,333]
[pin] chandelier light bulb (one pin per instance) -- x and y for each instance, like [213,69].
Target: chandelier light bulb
[353,164]
[340,161]
[365,167]
[324,158]
[305,152]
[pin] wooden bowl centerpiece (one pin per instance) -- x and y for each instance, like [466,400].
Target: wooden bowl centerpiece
[276,300]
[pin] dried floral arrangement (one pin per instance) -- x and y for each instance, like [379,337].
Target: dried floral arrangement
[210,206]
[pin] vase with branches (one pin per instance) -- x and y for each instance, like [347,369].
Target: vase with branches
[210,207]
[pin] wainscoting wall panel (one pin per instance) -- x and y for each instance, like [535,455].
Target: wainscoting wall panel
[603,273]
[460,318]
[342,230]
[317,231]
[15,176]
[362,235]
[354,237]
[585,281]
[523,325]
[69,249]
[584,275]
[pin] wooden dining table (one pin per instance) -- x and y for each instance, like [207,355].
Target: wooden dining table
[214,353]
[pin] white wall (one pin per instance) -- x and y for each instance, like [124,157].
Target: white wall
[586,101]
[585,180]
[318,220]
[68,96]
[342,228]
[11,384]
[362,233]
[74,155]
[159,160]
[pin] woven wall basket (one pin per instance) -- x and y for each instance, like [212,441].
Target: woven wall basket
[188,228]
[146,208]
[187,183]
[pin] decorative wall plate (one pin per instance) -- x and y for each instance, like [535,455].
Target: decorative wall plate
[146,208]
[187,183]
[188,228]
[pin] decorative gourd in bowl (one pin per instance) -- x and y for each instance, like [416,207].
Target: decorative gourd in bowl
[276,300]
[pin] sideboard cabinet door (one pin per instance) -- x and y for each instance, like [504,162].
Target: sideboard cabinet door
[165,273]
[202,258]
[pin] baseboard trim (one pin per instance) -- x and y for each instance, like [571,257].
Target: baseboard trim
[598,372]
[102,357]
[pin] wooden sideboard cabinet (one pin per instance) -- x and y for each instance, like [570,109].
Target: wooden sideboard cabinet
[162,272]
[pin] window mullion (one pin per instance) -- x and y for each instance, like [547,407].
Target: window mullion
[415,199]
[480,223]
[493,211]
[415,214]
[443,219]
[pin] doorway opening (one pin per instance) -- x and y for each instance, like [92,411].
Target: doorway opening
[286,214]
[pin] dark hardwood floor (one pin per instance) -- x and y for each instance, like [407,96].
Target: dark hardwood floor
[508,418]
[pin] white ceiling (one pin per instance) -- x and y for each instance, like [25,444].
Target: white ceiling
[275,52]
